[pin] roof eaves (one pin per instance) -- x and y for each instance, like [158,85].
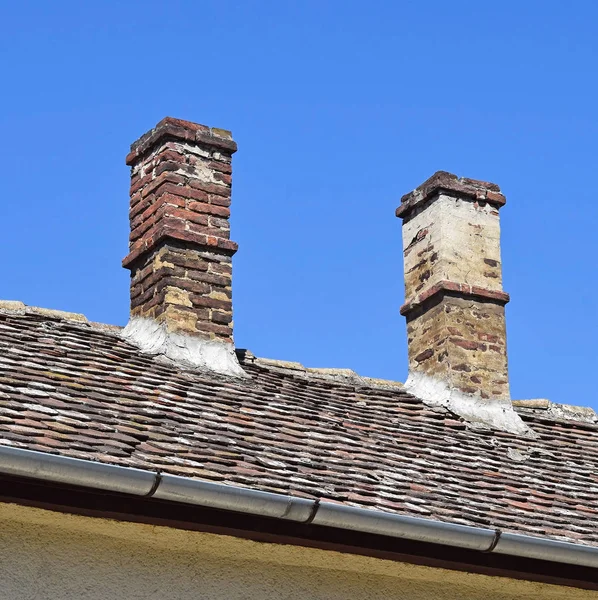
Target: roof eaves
[48,467]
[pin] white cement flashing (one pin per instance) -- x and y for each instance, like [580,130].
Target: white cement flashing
[498,414]
[152,337]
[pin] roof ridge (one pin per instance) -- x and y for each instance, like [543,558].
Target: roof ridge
[533,406]
[557,411]
[18,307]
[334,373]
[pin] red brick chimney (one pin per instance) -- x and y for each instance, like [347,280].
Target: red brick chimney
[180,249]
[454,301]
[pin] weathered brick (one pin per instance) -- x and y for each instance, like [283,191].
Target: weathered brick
[227,179]
[210,188]
[454,301]
[221,167]
[199,300]
[467,344]
[221,317]
[189,285]
[208,327]
[218,222]
[224,268]
[223,281]
[186,260]
[155,184]
[185,192]
[180,251]
[209,209]
[151,205]
[219,200]
[187,216]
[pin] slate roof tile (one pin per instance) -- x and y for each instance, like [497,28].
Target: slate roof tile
[77,389]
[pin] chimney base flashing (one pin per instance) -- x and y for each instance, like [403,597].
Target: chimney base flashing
[153,337]
[497,414]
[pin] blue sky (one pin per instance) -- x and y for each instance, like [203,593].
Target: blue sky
[338,108]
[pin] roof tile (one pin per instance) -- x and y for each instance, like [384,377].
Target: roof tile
[77,389]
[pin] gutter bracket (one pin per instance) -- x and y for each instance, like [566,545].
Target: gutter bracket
[314,511]
[495,540]
[157,482]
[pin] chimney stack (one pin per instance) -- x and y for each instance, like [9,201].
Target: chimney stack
[180,252]
[454,301]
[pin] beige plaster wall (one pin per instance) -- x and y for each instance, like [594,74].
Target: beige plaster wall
[46,555]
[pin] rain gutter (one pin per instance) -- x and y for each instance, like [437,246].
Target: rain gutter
[137,482]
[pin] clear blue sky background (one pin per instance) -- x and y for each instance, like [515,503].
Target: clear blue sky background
[339,108]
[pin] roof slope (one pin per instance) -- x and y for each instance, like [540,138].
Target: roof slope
[76,389]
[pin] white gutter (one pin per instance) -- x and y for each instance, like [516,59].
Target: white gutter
[138,482]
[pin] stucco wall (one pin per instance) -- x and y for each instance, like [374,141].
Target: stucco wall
[46,555]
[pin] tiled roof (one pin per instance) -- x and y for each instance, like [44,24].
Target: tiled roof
[77,389]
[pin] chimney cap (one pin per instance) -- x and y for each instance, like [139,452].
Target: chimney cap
[443,181]
[185,131]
